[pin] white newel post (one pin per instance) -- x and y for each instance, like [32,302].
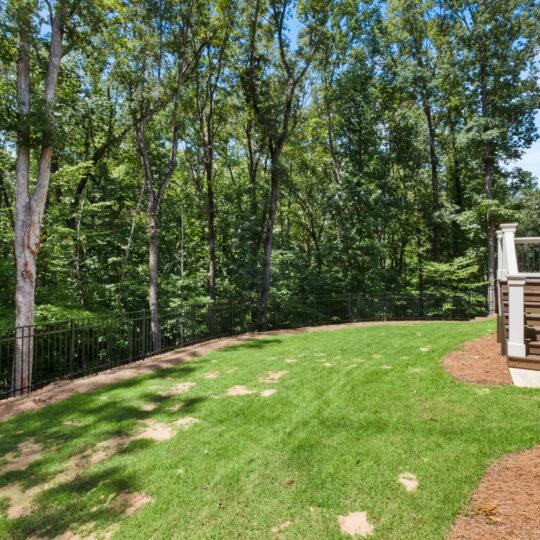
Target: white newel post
[509,259]
[516,323]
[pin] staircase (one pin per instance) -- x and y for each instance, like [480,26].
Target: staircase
[518,309]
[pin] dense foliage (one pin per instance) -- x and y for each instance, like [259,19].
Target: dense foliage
[336,146]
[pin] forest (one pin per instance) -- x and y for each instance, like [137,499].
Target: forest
[155,153]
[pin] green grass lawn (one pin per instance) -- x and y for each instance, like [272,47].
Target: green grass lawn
[331,440]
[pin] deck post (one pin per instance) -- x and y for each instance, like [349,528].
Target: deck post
[516,323]
[509,259]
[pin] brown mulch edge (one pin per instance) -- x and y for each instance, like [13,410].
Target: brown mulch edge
[506,504]
[63,389]
[479,361]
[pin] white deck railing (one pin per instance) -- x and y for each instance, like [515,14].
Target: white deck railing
[508,272]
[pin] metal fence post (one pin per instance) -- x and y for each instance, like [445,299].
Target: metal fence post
[71,345]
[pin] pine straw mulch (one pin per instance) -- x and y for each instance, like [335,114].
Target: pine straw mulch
[506,505]
[479,361]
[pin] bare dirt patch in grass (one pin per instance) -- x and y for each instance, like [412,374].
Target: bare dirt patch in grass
[239,390]
[75,423]
[386,367]
[408,480]
[479,361]
[20,500]
[155,430]
[272,376]
[176,408]
[128,503]
[327,364]
[506,504]
[181,388]
[355,524]
[186,422]
[290,360]
[211,375]
[148,407]
[27,452]
[268,393]
[282,527]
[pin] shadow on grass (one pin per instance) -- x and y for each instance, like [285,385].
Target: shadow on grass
[77,505]
[253,344]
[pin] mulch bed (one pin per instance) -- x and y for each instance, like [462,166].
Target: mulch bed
[506,505]
[479,361]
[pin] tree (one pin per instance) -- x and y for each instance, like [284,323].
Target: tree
[30,200]
[154,78]
[210,108]
[415,27]
[499,46]
[271,87]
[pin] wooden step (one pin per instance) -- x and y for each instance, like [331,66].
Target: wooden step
[533,346]
[528,305]
[529,292]
[529,319]
[531,361]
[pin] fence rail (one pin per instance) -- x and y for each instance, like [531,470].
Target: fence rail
[79,347]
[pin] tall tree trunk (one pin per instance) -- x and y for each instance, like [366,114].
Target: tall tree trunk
[256,218]
[153,238]
[488,168]
[435,202]
[267,249]
[29,207]
[210,210]
[211,242]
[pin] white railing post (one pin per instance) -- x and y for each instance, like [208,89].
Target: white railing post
[516,322]
[509,262]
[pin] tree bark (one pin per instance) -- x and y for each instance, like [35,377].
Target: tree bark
[29,207]
[153,304]
[435,202]
[267,249]
[211,239]
[488,169]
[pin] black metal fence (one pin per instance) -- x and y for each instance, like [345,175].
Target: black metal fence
[79,347]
